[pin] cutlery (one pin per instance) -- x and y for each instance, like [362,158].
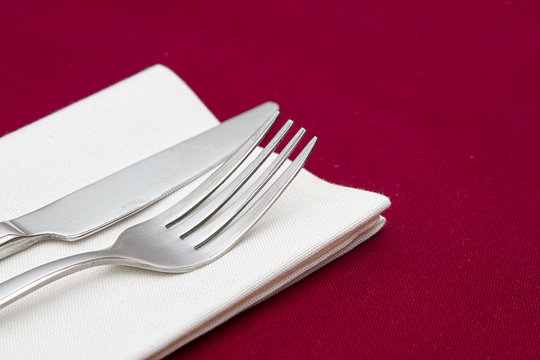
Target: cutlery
[195,231]
[130,190]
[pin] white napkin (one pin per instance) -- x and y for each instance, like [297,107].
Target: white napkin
[114,312]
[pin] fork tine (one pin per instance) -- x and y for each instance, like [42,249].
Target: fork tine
[250,217]
[222,220]
[212,206]
[167,253]
[206,188]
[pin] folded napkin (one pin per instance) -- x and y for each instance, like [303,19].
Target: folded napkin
[114,312]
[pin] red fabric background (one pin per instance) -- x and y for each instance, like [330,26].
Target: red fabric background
[434,105]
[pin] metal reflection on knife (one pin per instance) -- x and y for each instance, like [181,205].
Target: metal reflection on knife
[117,196]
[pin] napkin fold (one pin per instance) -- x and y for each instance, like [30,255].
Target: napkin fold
[116,312]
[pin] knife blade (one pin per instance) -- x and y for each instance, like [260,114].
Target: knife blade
[119,195]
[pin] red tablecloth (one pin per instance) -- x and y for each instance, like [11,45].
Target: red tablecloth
[434,105]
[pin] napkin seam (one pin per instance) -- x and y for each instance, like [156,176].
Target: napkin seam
[296,273]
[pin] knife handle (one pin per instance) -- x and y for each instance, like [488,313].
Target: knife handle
[13,239]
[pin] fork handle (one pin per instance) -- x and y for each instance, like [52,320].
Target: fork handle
[23,284]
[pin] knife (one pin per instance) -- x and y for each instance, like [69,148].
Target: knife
[133,188]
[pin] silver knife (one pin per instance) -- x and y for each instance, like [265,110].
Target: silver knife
[118,196]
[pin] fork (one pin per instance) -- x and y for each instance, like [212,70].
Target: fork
[194,232]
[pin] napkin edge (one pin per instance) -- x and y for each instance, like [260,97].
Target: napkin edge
[156,67]
[357,237]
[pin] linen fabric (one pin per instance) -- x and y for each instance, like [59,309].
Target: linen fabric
[432,103]
[116,312]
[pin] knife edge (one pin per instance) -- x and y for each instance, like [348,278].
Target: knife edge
[127,191]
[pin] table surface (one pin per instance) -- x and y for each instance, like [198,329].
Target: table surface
[434,105]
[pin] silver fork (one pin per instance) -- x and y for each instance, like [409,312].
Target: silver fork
[195,231]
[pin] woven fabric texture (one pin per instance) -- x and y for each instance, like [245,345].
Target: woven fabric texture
[431,103]
[312,223]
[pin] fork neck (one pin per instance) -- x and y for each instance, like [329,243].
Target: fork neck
[21,285]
